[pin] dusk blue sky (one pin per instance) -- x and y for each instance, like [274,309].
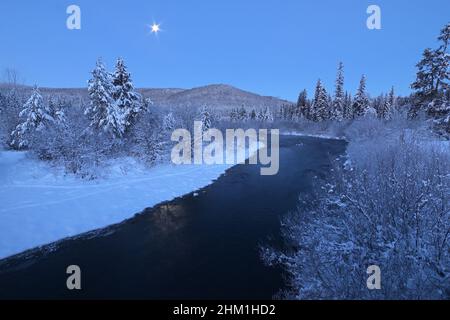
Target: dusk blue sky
[271,47]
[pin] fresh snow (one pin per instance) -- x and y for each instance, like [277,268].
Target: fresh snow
[40,204]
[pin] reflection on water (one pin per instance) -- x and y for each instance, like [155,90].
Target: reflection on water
[169,218]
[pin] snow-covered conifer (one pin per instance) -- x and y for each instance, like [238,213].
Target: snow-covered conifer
[433,75]
[103,114]
[443,61]
[36,117]
[319,108]
[303,105]
[205,118]
[338,101]
[348,106]
[361,105]
[266,115]
[242,114]
[439,110]
[388,105]
[128,103]
[169,122]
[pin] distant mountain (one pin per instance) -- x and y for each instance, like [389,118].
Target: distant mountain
[214,96]
[218,96]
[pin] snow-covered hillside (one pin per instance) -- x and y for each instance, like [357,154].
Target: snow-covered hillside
[218,97]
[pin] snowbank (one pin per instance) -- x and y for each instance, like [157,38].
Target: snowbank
[40,205]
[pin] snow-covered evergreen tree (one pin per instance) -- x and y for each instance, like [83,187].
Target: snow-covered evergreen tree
[426,78]
[361,105]
[36,117]
[303,105]
[387,106]
[443,61]
[60,114]
[11,104]
[348,106]
[234,115]
[338,101]
[433,77]
[148,103]
[102,111]
[205,118]
[242,114]
[260,115]
[289,112]
[319,109]
[127,101]
[169,122]
[253,115]
[266,115]
[439,110]
[57,107]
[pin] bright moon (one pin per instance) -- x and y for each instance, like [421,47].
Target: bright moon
[155,28]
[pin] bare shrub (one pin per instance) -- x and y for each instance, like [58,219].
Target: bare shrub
[389,207]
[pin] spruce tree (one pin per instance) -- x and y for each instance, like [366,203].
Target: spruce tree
[36,117]
[265,115]
[433,73]
[169,122]
[338,101]
[260,115]
[205,118]
[233,115]
[361,102]
[425,83]
[127,101]
[348,107]
[389,109]
[303,105]
[102,112]
[433,77]
[391,101]
[319,108]
[443,61]
[242,114]
[268,115]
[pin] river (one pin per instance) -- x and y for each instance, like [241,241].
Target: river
[202,245]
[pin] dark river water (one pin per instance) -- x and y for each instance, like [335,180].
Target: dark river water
[202,245]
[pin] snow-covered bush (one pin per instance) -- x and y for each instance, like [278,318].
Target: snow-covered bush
[365,128]
[148,137]
[390,207]
[71,145]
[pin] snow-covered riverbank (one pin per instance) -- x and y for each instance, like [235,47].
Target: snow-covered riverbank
[40,205]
